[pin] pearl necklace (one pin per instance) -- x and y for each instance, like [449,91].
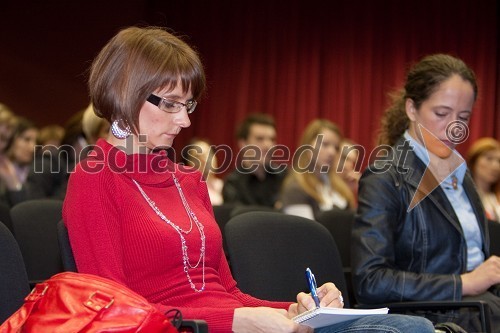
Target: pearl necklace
[180,231]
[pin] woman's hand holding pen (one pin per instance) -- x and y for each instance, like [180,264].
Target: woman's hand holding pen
[274,320]
[325,296]
[328,294]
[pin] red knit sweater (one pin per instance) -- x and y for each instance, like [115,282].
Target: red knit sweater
[114,233]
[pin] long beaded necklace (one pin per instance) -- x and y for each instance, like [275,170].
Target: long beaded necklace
[192,217]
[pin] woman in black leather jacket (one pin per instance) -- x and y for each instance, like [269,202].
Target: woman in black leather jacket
[420,231]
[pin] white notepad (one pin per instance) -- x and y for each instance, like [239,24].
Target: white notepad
[321,317]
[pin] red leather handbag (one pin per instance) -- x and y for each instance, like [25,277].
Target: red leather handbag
[74,302]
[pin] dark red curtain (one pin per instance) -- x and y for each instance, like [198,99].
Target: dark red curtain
[300,60]
[295,59]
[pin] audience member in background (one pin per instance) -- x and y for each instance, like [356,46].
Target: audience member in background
[16,163]
[255,180]
[50,138]
[201,156]
[7,125]
[346,164]
[93,127]
[150,226]
[81,131]
[313,185]
[74,144]
[483,159]
[420,233]
[49,174]
[51,135]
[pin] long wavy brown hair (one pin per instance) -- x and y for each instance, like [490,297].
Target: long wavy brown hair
[423,79]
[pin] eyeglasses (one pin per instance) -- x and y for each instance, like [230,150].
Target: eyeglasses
[171,106]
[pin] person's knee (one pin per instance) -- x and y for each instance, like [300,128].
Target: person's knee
[394,323]
[416,324]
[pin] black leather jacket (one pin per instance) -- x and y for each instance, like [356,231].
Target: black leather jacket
[417,255]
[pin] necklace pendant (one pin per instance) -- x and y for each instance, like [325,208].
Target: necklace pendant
[454,182]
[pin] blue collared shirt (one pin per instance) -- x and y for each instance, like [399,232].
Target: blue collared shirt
[461,205]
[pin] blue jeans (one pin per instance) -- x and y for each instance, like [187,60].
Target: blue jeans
[392,323]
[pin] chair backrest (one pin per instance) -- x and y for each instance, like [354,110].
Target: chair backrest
[14,284]
[35,229]
[339,222]
[68,259]
[222,214]
[241,209]
[494,230]
[5,215]
[270,252]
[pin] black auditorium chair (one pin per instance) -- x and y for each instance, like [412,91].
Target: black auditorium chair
[270,252]
[339,223]
[35,229]
[222,214]
[241,209]
[68,260]
[14,286]
[494,229]
[5,215]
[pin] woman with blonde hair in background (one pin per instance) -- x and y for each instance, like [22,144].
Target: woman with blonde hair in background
[49,139]
[200,155]
[347,163]
[483,159]
[93,127]
[313,185]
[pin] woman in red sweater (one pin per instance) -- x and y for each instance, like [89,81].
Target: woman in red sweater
[137,218]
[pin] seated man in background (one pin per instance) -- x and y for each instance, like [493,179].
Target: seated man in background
[254,181]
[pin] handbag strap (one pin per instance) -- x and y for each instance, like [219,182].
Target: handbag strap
[19,318]
[97,302]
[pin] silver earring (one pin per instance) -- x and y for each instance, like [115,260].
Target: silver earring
[118,131]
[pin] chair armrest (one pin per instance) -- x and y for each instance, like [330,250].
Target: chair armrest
[481,306]
[193,326]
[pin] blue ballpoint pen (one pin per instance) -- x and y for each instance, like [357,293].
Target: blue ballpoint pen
[311,281]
